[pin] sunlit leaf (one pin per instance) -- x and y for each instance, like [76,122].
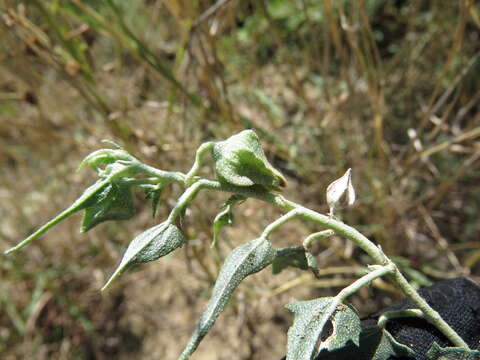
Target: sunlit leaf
[150,245]
[436,352]
[104,157]
[89,197]
[321,324]
[115,202]
[244,260]
[240,161]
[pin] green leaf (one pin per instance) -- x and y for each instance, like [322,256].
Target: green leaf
[114,202]
[240,161]
[89,197]
[388,347]
[244,260]
[295,257]
[451,353]
[312,324]
[105,157]
[150,245]
[153,192]
[225,217]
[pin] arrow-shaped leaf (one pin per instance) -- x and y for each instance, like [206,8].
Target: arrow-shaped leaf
[436,352]
[150,245]
[244,260]
[89,197]
[311,326]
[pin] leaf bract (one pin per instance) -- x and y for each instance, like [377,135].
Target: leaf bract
[150,245]
[240,161]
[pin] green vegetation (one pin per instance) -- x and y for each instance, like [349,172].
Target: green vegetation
[242,169]
[388,88]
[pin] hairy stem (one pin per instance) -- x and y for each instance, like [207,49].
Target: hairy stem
[352,234]
[396,314]
[310,239]
[168,176]
[280,221]
[432,316]
[199,158]
[365,280]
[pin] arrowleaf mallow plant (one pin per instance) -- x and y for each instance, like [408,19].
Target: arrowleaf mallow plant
[242,169]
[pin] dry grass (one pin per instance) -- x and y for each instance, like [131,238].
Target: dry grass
[388,88]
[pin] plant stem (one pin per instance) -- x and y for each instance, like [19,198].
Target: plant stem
[168,176]
[359,239]
[396,314]
[347,231]
[280,221]
[338,227]
[310,239]
[186,197]
[365,280]
[199,157]
[432,316]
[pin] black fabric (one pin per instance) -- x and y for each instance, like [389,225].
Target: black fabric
[458,302]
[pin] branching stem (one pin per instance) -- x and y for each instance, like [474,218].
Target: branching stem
[339,228]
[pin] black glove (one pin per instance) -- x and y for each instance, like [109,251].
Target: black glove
[458,302]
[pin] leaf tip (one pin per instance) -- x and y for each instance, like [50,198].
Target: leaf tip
[116,274]
[9,251]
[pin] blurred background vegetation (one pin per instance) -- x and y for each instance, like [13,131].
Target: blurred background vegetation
[389,88]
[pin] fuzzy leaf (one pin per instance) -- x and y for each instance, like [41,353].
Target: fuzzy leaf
[89,197]
[150,245]
[105,157]
[388,347]
[244,260]
[240,161]
[451,353]
[153,192]
[295,257]
[114,202]
[225,217]
[311,326]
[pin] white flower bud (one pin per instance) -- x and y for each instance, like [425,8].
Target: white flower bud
[339,189]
